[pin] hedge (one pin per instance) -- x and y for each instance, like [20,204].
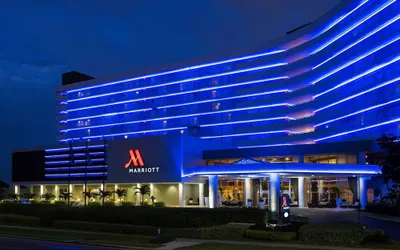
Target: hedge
[271,235]
[381,208]
[149,216]
[332,234]
[229,232]
[19,220]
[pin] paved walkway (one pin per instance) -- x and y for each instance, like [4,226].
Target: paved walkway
[191,242]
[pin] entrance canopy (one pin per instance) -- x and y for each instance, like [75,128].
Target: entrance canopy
[249,166]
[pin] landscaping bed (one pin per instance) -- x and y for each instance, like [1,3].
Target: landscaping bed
[381,208]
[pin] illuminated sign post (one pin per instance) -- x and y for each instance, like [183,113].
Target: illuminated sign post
[284,209]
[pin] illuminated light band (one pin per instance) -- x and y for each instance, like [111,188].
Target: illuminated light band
[267,145]
[245,134]
[387,4]
[359,76]
[77,155]
[176,94]
[105,115]
[130,133]
[360,40]
[178,116]
[178,70]
[247,121]
[359,94]
[341,19]
[358,130]
[76,161]
[75,175]
[74,168]
[180,81]
[358,112]
[73,148]
[356,60]
[283,171]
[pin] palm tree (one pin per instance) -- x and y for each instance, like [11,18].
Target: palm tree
[143,190]
[120,193]
[13,196]
[48,196]
[3,186]
[152,198]
[30,196]
[89,195]
[103,194]
[65,196]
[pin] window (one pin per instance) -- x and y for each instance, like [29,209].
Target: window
[216,106]
[229,116]
[214,93]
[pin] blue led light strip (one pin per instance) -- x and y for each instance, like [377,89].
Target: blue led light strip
[360,40]
[358,112]
[74,168]
[180,81]
[267,145]
[73,148]
[77,155]
[176,94]
[359,94]
[387,4]
[359,76]
[356,60]
[245,134]
[341,19]
[74,175]
[179,116]
[76,161]
[247,121]
[358,130]
[178,70]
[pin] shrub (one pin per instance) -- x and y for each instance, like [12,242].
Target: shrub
[127,203]
[270,235]
[19,220]
[60,202]
[163,238]
[159,204]
[382,208]
[45,202]
[335,234]
[109,203]
[372,235]
[226,232]
[94,203]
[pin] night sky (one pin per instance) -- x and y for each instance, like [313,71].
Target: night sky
[41,39]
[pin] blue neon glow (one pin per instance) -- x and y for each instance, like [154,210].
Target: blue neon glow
[74,168]
[247,121]
[177,70]
[73,148]
[245,134]
[267,145]
[74,175]
[76,155]
[176,94]
[130,133]
[358,130]
[387,4]
[180,81]
[360,40]
[359,94]
[178,116]
[76,161]
[359,76]
[358,112]
[356,60]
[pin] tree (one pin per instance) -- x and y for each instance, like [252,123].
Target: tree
[3,186]
[143,190]
[48,196]
[64,196]
[120,193]
[90,195]
[103,194]
[30,196]
[390,165]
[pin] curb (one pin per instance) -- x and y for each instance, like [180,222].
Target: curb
[382,218]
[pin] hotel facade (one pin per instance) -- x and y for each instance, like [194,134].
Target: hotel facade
[298,117]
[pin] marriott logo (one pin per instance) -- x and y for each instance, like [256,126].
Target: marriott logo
[135,163]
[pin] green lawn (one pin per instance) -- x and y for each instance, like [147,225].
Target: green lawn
[215,246]
[80,237]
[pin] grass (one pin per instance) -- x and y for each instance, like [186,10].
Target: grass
[80,237]
[217,246]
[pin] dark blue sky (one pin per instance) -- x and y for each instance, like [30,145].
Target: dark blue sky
[42,39]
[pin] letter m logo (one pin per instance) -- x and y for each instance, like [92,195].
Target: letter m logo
[135,159]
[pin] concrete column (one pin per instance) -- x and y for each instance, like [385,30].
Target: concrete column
[201,194]
[320,189]
[56,192]
[137,198]
[213,191]
[41,190]
[71,188]
[363,192]
[151,189]
[275,186]
[17,189]
[361,158]
[300,158]
[247,186]
[181,191]
[301,190]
